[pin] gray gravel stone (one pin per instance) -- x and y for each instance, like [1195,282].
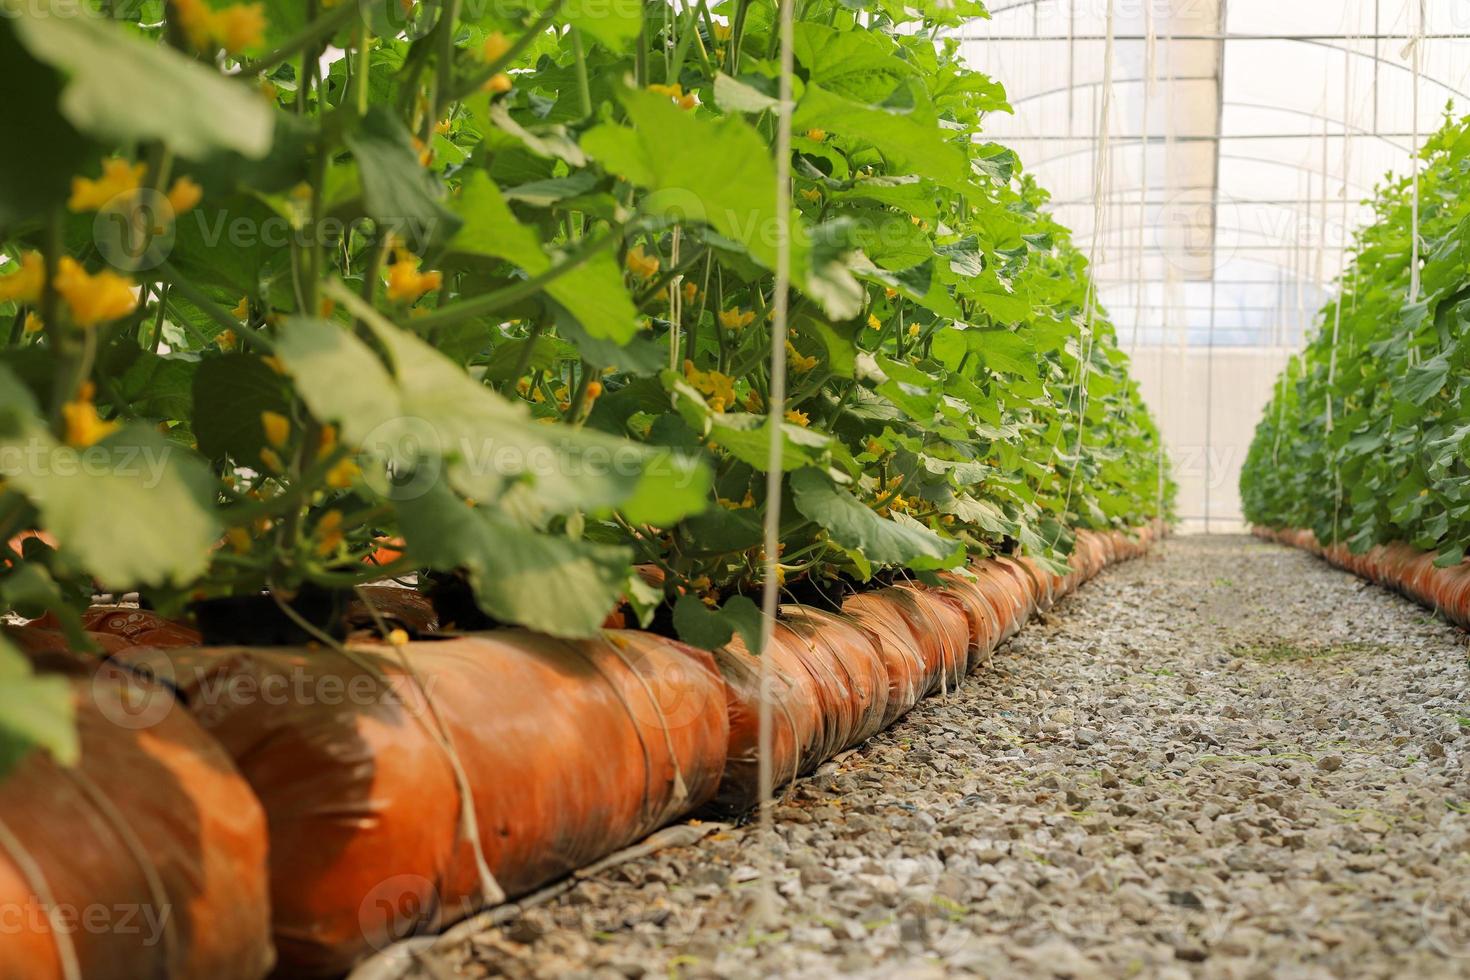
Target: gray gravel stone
[1226,760]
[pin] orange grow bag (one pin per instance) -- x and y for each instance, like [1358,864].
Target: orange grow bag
[149,856]
[570,750]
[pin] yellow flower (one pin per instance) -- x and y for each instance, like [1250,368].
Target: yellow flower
[499,84]
[118,178]
[722,32]
[94,299]
[676,92]
[184,194]
[399,638]
[816,134]
[196,21]
[343,474]
[238,539]
[913,329]
[406,283]
[811,194]
[442,127]
[84,427]
[277,428]
[594,390]
[718,388]
[495,47]
[797,418]
[33,323]
[329,534]
[874,447]
[753,402]
[874,322]
[242,308]
[800,363]
[25,284]
[736,319]
[642,266]
[226,339]
[239,26]
[890,292]
[691,292]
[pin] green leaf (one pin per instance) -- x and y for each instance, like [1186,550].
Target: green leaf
[1004,307]
[747,438]
[135,509]
[36,712]
[397,191]
[593,292]
[489,228]
[910,145]
[716,171]
[121,88]
[710,629]
[736,96]
[545,582]
[616,25]
[40,177]
[229,394]
[853,525]
[426,408]
[1427,380]
[160,387]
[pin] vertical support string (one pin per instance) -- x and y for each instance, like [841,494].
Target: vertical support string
[1148,91]
[776,409]
[1416,50]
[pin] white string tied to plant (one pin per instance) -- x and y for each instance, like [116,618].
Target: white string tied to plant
[1102,181]
[1414,50]
[1149,46]
[776,414]
[1347,156]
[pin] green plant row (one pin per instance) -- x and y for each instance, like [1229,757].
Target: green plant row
[305,294]
[1364,442]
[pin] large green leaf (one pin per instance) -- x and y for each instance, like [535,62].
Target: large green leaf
[911,146]
[546,582]
[39,177]
[710,629]
[593,292]
[122,88]
[229,393]
[427,408]
[698,169]
[135,509]
[854,525]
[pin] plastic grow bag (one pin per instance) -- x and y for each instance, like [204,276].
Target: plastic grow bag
[146,859]
[570,750]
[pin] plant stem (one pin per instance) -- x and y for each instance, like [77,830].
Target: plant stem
[523,359]
[584,89]
[319,29]
[488,303]
[444,73]
[213,310]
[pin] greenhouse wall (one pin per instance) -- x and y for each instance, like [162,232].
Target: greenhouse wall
[1207,403]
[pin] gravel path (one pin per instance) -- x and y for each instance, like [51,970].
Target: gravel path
[1224,760]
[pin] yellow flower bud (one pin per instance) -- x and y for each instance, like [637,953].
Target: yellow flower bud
[277,428]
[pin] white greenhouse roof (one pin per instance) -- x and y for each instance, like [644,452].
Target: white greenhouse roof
[1223,215]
